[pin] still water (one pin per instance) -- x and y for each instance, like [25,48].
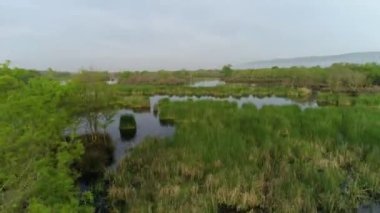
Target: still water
[147,125]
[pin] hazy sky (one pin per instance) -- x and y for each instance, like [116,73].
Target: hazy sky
[175,34]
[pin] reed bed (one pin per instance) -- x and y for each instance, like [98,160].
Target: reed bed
[274,159]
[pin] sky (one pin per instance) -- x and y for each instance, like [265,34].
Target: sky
[119,35]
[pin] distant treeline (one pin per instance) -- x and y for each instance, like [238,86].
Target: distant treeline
[337,76]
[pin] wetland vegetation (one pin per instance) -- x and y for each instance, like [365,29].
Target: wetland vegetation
[274,158]
[266,140]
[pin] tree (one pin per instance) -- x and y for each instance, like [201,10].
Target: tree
[94,100]
[227,70]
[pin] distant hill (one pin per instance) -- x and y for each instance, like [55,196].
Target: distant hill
[324,61]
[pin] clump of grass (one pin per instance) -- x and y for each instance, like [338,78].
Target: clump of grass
[341,99]
[335,99]
[138,103]
[372,100]
[127,126]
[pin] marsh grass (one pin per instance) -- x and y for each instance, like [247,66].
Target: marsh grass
[342,99]
[274,159]
[137,103]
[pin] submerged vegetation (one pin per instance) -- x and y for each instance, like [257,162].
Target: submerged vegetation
[54,139]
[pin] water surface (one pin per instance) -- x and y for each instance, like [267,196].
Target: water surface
[147,125]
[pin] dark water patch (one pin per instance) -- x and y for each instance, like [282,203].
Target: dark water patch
[98,156]
[127,134]
[369,208]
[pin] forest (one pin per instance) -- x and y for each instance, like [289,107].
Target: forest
[260,140]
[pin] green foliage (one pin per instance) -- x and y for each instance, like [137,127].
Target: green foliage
[8,83]
[336,77]
[35,163]
[22,75]
[227,70]
[93,99]
[155,78]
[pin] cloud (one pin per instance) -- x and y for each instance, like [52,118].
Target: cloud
[155,34]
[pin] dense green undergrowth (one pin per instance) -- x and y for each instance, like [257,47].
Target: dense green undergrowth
[39,167]
[273,159]
[35,173]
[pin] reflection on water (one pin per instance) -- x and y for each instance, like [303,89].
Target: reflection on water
[147,125]
[208,83]
[258,102]
[127,134]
